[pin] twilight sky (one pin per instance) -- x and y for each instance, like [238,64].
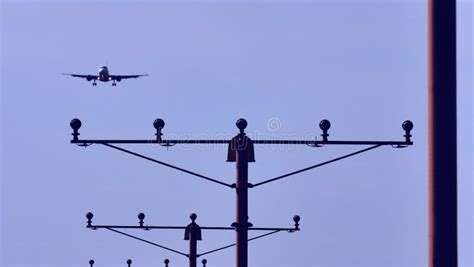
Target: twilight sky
[282,65]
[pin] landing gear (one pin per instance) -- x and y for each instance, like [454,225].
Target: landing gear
[94,83]
[114,84]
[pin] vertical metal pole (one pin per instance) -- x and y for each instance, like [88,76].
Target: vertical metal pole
[241,152]
[242,203]
[193,234]
[442,134]
[192,249]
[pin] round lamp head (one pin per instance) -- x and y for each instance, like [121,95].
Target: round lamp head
[193,216]
[325,125]
[204,261]
[166,261]
[141,216]
[91,262]
[296,218]
[129,261]
[75,124]
[241,124]
[159,124]
[89,215]
[407,125]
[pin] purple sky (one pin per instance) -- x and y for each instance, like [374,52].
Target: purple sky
[282,65]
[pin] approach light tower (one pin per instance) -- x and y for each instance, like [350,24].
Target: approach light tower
[192,234]
[240,151]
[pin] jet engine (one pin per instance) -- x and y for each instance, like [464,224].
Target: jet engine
[118,79]
[89,77]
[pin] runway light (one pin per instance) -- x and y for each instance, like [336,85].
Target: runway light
[324,125]
[407,127]
[141,216]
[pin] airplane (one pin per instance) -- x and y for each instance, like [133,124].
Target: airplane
[104,76]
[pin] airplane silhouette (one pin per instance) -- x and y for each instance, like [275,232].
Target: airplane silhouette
[104,76]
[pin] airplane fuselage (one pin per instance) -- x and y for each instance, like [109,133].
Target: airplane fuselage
[104,74]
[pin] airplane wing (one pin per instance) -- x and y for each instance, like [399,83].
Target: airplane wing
[88,77]
[120,77]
